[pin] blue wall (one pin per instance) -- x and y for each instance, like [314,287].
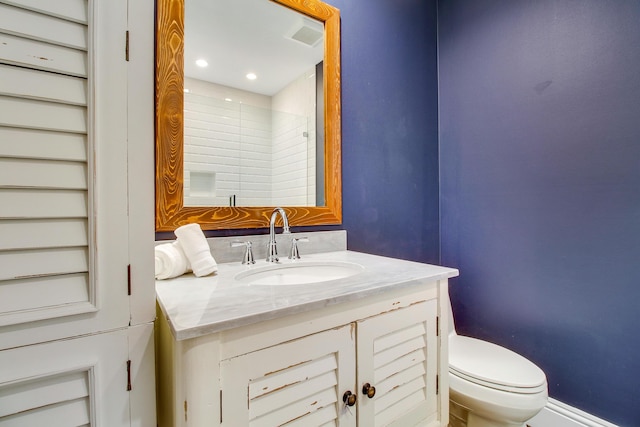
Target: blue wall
[540,172]
[540,187]
[390,127]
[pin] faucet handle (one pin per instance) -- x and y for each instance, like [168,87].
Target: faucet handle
[294,253]
[248,252]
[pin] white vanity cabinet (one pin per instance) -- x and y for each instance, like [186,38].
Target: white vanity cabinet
[298,382]
[305,382]
[296,370]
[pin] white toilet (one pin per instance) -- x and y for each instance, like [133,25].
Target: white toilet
[491,386]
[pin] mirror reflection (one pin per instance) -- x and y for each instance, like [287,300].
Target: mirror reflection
[253,112]
[171,211]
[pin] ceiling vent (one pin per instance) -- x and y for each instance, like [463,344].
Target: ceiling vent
[309,32]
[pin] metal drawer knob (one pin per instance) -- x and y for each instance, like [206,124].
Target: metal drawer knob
[369,390]
[349,398]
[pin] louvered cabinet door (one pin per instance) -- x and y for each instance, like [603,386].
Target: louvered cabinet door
[397,355]
[298,384]
[63,169]
[76,382]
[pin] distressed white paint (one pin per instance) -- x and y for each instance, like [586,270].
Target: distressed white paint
[43,56]
[71,219]
[397,352]
[83,378]
[86,183]
[39,26]
[293,353]
[300,382]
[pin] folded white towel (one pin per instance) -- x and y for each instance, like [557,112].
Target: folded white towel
[196,248]
[170,261]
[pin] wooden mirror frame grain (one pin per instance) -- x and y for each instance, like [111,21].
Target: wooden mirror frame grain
[169,155]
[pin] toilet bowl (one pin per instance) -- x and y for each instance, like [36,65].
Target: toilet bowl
[491,386]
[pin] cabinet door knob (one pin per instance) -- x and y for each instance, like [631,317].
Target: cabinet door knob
[349,398]
[369,390]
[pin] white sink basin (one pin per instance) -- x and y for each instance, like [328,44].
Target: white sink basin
[298,273]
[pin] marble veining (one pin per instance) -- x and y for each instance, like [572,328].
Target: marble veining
[199,306]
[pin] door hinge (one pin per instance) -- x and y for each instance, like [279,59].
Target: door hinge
[437,384]
[129,279]
[128,375]
[437,326]
[220,406]
[126,47]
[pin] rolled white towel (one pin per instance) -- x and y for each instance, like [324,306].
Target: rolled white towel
[170,261]
[196,248]
[178,247]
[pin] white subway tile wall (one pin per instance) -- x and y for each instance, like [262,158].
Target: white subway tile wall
[249,147]
[294,152]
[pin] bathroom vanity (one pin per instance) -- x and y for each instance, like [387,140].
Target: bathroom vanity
[336,338]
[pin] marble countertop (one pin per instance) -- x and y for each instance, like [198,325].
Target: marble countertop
[199,306]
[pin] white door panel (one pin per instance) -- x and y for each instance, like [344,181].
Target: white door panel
[300,382]
[65,380]
[63,162]
[80,381]
[72,222]
[397,354]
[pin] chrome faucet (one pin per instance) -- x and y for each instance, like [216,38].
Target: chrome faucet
[247,258]
[272,251]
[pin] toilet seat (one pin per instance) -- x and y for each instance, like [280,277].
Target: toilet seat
[493,366]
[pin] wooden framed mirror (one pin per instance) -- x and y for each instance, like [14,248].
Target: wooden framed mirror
[171,211]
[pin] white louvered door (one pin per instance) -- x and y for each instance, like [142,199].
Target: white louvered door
[76,382]
[298,384]
[301,382]
[397,354]
[63,169]
[68,229]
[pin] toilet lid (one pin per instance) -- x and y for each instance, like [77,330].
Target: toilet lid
[493,366]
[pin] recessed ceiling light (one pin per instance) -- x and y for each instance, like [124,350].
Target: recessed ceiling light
[202,63]
[251,76]
[228,99]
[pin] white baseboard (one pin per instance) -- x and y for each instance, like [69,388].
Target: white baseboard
[558,414]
